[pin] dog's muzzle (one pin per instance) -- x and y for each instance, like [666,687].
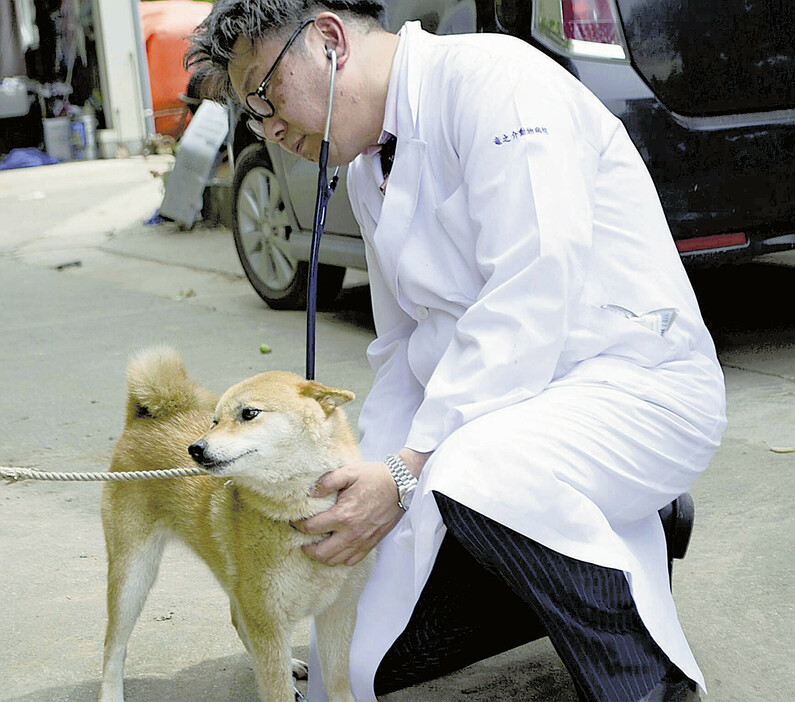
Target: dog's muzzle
[199,453]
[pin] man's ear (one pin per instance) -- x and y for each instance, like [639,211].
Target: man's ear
[335,36]
[328,398]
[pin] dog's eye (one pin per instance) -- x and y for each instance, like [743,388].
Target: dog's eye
[249,413]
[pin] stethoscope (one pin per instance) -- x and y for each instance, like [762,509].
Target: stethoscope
[325,188]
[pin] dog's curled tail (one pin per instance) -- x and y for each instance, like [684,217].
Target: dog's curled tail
[158,386]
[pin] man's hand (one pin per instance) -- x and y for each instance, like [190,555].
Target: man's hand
[366,511]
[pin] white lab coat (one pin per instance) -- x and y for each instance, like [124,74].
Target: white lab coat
[517,207]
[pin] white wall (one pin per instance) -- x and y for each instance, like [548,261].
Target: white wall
[127,104]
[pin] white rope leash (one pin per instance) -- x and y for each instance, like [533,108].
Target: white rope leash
[14,474]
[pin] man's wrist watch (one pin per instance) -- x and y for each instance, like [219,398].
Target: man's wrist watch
[405,481]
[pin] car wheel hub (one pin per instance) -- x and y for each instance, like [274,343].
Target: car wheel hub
[265,228]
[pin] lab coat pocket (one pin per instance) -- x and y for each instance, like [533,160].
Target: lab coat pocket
[623,337]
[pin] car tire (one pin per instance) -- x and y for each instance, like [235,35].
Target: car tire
[262,232]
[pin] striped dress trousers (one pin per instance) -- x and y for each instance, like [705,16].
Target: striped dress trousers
[492,589]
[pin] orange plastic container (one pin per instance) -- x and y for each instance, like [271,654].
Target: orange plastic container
[166,24]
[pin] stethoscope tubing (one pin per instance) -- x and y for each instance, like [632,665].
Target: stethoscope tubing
[324,192]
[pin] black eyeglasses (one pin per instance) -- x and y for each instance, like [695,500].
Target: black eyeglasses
[258,106]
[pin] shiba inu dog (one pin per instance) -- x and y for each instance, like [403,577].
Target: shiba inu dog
[263,445]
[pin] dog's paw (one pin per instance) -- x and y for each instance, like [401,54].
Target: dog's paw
[300,669]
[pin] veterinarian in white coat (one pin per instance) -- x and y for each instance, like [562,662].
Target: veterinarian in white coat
[517,212]
[519,259]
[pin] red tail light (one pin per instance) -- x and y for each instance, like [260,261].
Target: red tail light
[716,241]
[580,27]
[590,20]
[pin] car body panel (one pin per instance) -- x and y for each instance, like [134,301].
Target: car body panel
[301,176]
[703,57]
[716,174]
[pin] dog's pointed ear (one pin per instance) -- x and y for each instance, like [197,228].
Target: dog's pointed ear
[328,398]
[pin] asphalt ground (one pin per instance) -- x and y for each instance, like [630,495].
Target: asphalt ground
[83,284]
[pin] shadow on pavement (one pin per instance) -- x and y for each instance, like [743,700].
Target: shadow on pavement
[747,306]
[529,672]
[353,307]
[227,679]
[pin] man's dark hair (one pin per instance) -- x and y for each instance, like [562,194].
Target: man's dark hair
[211,42]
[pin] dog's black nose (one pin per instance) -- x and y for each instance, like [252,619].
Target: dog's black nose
[197,450]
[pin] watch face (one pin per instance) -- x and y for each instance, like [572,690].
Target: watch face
[407,497]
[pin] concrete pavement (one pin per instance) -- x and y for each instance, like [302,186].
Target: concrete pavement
[69,330]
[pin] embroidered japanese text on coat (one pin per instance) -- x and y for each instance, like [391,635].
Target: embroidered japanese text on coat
[518,133]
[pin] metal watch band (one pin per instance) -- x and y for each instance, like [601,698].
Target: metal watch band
[403,478]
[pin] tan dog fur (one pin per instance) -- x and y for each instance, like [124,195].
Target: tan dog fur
[260,472]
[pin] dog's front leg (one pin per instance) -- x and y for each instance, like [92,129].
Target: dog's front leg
[269,647]
[273,668]
[299,667]
[132,569]
[335,627]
